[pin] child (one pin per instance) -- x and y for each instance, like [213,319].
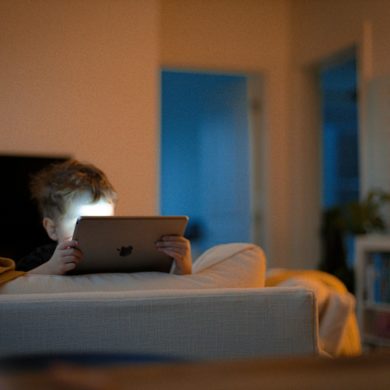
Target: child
[66,191]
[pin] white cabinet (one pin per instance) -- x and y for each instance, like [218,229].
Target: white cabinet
[372,273]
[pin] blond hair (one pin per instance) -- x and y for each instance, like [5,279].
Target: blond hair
[54,187]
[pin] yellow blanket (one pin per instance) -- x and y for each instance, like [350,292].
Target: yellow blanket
[7,270]
[338,328]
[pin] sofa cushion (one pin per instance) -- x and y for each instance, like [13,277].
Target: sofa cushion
[237,265]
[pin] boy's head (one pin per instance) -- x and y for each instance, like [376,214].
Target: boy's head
[68,190]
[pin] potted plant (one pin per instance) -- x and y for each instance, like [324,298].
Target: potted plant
[365,216]
[342,223]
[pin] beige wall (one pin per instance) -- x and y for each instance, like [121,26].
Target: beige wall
[80,78]
[322,29]
[250,36]
[284,40]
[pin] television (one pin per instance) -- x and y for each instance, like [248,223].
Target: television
[21,228]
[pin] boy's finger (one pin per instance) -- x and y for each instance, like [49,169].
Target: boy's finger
[71,259]
[73,243]
[173,254]
[173,238]
[68,244]
[173,244]
[69,266]
[72,252]
[172,250]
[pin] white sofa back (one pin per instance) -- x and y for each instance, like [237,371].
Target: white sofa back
[237,265]
[222,311]
[185,324]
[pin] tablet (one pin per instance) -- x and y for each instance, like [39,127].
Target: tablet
[125,244]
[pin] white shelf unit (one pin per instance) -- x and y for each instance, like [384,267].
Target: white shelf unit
[373,314]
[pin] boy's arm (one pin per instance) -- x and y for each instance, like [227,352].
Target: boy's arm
[179,248]
[36,258]
[65,258]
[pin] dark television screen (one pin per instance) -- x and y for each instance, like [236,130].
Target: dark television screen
[21,227]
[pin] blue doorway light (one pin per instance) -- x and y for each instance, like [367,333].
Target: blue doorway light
[340,137]
[205,158]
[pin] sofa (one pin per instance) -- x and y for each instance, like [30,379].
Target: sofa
[221,311]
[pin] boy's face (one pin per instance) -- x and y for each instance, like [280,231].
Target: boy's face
[61,229]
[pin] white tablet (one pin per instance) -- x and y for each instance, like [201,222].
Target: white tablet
[125,244]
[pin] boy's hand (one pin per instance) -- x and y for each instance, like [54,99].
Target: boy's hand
[65,258]
[179,248]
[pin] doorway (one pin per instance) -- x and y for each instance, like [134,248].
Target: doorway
[206,156]
[340,137]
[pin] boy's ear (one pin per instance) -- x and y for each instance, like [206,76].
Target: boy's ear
[50,228]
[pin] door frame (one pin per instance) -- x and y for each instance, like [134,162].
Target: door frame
[258,158]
